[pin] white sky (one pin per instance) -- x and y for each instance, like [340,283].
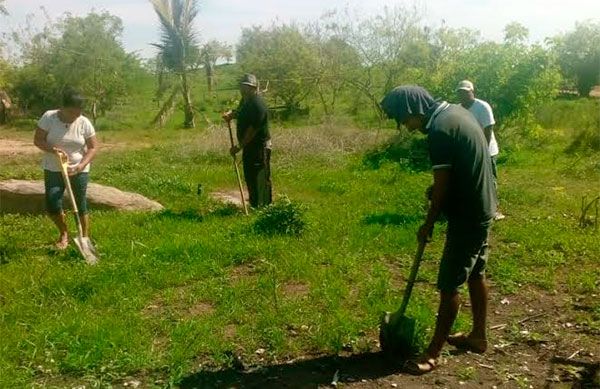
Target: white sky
[224,19]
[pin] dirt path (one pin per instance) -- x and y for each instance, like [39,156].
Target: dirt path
[17,147]
[11,147]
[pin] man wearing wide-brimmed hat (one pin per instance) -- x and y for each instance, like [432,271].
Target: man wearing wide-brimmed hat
[254,140]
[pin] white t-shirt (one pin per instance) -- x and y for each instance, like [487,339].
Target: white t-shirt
[484,115]
[68,137]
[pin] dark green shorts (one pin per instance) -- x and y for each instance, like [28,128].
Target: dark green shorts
[465,255]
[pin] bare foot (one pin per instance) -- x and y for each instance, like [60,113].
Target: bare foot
[468,343]
[62,242]
[422,365]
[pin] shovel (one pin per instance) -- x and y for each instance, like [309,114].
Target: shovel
[83,243]
[396,331]
[237,171]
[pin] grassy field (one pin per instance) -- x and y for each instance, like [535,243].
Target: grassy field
[185,296]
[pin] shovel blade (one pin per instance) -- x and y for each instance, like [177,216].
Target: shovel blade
[397,334]
[87,249]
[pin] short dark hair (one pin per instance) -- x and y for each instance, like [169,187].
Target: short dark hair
[72,98]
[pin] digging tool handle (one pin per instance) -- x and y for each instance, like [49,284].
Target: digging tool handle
[411,278]
[237,170]
[63,169]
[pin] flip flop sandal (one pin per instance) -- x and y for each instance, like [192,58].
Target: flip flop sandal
[464,342]
[421,366]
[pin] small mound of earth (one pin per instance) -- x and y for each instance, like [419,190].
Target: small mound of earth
[27,196]
[229,197]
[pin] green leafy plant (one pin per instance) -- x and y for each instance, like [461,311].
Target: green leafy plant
[283,217]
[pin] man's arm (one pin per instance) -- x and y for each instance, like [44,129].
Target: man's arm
[487,131]
[248,136]
[441,179]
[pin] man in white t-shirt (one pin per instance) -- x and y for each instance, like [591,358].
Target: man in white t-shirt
[67,131]
[485,116]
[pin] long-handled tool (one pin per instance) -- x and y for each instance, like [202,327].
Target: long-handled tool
[396,331]
[237,170]
[83,243]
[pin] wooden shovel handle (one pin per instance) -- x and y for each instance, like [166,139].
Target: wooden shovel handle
[412,277]
[237,171]
[64,161]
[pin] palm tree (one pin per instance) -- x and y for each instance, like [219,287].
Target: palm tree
[178,49]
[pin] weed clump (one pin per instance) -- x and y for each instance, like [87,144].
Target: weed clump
[284,217]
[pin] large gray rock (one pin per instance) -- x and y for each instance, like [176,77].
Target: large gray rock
[26,196]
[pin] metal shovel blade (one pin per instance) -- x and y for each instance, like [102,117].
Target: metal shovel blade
[397,334]
[87,249]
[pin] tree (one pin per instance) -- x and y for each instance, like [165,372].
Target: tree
[392,49]
[447,48]
[210,53]
[284,56]
[578,54]
[178,48]
[89,56]
[81,52]
[336,59]
[3,10]
[515,33]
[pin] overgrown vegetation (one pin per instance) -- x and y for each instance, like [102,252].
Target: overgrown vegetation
[82,52]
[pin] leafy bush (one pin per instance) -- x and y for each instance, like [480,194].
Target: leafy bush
[284,217]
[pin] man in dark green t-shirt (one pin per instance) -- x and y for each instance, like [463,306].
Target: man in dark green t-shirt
[255,140]
[463,189]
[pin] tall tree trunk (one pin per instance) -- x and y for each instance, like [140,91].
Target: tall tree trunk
[94,112]
[188,110]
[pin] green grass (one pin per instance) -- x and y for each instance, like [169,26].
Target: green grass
[195,283]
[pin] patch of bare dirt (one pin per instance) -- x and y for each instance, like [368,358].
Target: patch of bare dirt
[13,147]
[178,304]
[17,147]
[229,197]
[295,289]
[229,331]
[243,271]
[201,308]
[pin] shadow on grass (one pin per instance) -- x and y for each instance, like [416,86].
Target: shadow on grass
[185,214]
[7,253]
[391,219]
[312,373]
[225,210]
[410,152]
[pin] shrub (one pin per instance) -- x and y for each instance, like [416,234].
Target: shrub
[284,217]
